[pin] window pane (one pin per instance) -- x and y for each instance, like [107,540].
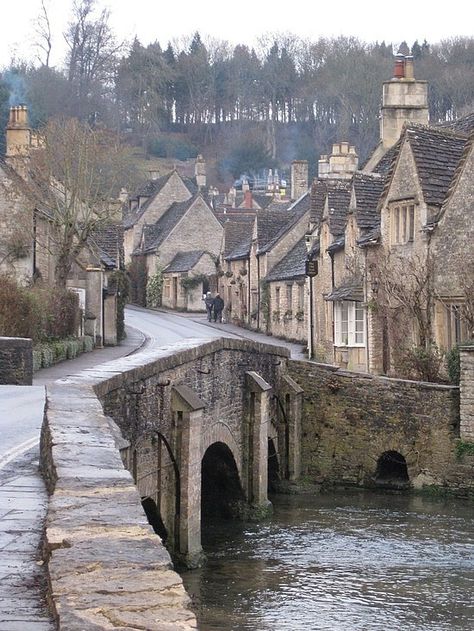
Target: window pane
[344,322]
[359,324]
[411,223]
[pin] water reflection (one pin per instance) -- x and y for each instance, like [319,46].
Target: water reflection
[352,561]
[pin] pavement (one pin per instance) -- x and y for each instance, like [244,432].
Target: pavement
[23,496]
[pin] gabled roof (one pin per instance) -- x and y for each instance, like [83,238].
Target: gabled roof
[185,261]
[337,244]
[272,225]
[368,188]
[155,235]
[109,241]
[292,266]
[238,237]
[150,190]
[437,153]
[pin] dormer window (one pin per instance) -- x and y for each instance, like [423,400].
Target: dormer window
[402,223]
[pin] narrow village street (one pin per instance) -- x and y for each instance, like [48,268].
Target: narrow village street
[23,498]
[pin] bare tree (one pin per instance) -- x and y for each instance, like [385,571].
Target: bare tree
[76,176]
[43,32]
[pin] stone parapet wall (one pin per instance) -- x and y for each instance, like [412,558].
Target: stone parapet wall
[16,361]
[467,393]
[351,419]
[107,568]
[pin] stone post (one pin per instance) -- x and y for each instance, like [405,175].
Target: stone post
[187,408]
[292,401]
[258,398]
[466,386]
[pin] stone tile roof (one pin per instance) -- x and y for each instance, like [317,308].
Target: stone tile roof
[464,124]
[272,225]
[109,241]
[184,261]
[350,289]
[337,244]
[368,188]
[318,199]
[150,190]
[292,266]
[238,237]
[437,153]
[384,165]
[370,237]
[156,234]
[339,196]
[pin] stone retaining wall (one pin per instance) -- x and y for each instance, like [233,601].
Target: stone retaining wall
[350,419]
[16,361]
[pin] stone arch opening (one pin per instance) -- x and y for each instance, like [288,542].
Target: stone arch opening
[154,518]
[273,467]
[222,496]
[392,471]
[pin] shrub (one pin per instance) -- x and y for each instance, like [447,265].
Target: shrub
[453,362]
[20,313]
[154,288]
[420,362]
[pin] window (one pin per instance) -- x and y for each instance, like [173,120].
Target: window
[349,323]
[277,298]
[289,297]
[301,297]
[403,223]
[456,326]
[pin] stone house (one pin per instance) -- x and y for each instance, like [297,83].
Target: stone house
[25,227]
[425,227]
[234,277]
[398,206]
[276,232]
[28,238]
[184,228]
[149,204]
[187,278]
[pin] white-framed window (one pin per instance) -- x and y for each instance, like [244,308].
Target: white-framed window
[349,323]
[402,221]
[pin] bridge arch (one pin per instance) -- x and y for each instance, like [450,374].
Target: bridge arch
[222,494]
[392,470]
[220,432]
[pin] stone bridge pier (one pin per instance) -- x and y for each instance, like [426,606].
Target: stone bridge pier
[205,426]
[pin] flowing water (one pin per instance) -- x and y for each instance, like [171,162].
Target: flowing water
[351,561]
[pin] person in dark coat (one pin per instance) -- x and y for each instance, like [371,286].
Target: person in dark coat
[209,302]
[218,307]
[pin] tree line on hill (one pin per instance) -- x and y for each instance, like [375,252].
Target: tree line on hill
[290,98]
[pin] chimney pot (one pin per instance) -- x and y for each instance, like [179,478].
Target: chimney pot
[399,71]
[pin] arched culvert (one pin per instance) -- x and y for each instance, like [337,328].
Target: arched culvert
[221,492]
[392,471]
[273,467]
[154,517]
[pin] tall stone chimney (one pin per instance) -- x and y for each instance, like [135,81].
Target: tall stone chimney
[341,163]
[299,178]
[200,171]
[18,139]
[404,100]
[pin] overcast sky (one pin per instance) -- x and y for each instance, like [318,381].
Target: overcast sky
[244,21]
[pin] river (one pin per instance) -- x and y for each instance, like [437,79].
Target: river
[348,561]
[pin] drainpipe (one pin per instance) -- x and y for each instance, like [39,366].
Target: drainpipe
[258,293]
[366,294]
[248,294]
[331,256]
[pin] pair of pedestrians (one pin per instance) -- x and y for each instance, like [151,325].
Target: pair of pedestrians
[214,307]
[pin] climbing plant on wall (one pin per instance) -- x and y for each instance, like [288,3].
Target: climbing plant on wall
[154,288]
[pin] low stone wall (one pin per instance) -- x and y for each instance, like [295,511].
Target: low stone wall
[16,361]
[351,419]
[467,393]
[107,568]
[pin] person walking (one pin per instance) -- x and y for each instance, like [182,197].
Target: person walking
[218,307]
[209,302]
